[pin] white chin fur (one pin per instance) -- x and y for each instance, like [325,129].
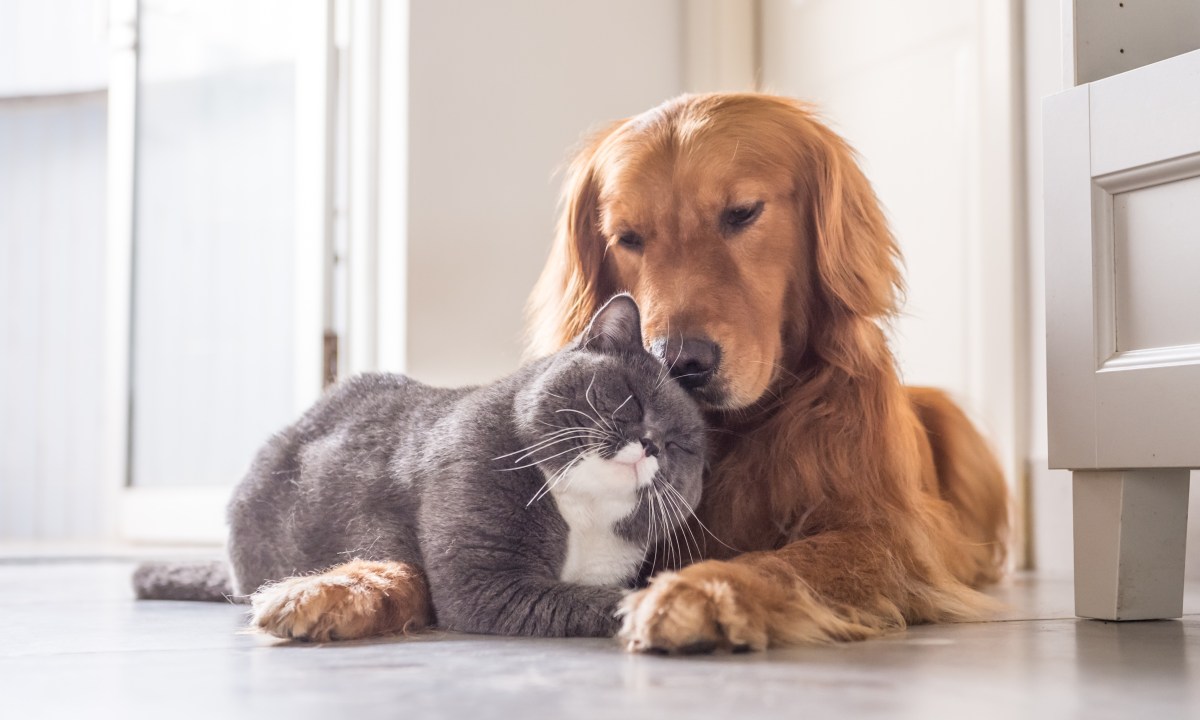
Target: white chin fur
[633,456]
[593,497]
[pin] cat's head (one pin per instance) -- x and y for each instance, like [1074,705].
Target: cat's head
[608,407]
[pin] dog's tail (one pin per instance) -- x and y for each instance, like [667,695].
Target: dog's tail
[208,581]
[970,479]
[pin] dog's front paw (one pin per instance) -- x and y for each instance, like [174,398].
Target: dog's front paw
[355,600]
[697,610]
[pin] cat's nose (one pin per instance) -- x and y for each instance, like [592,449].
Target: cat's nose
[649,448]
[693,362]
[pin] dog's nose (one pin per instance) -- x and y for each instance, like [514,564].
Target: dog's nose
[692,362]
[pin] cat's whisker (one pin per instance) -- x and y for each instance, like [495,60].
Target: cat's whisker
[666,348]
[671,555]
[594,428]
[538,462]
[570,479]
[613,416]
[548,485]
[541,493]
[589,437]
[687,514]
[672,522]
[705,528]
[535,451]
[579,435]
[587,395]
[676,537]
[685,375]
[566,431]
[666,375]
[678,529]
[557,477]
[684,512]
[651,537]
[661,537]
[554,438]
[669,536]
[563,472]
[666,370]
[580,412]
[654,500]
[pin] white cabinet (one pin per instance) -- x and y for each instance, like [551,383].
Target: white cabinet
[1122,179]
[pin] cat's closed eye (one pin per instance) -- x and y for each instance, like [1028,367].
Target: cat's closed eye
[629,411]
[681,447]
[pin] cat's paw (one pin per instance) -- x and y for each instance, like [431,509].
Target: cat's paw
[355,600]
[695,611]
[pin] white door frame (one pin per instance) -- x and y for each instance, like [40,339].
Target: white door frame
[118,271]
[196,514]
[372,43]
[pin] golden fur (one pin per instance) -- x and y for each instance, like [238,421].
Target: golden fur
[353,600]
[863,505]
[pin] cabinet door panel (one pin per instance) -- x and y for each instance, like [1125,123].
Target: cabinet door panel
[1123,269]
[1155,261]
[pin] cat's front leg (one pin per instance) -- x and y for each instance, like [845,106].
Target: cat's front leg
[355,600]
[538,607]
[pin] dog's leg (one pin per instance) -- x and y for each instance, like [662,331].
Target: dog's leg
[832,586]
[355,600]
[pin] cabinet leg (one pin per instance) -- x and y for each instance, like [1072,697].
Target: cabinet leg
[1130,534]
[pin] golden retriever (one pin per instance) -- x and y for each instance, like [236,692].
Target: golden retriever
[764,268]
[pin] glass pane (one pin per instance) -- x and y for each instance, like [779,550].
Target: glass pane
[213,259]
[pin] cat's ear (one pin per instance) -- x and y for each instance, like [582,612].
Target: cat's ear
[617,327]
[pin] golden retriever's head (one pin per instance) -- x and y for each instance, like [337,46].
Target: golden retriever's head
[743,228]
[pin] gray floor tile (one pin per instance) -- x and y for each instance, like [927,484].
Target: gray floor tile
[77,645]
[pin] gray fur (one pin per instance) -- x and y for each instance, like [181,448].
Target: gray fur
[386,468]
[182,581]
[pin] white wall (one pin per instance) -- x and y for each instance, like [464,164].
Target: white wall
[53,46]
[52,169]
[499,91]
[52,215]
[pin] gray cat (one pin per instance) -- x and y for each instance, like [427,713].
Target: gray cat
[529,503]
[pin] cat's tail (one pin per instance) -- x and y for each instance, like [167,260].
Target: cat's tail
[208,581]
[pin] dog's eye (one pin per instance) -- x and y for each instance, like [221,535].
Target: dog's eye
[630,240]
[742,215]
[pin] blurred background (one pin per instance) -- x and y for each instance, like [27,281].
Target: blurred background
[211,208]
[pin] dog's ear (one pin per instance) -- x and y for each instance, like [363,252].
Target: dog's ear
[617,327]
[572,283]
[857,259]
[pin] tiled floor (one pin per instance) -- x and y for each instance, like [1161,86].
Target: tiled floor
[75,644]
